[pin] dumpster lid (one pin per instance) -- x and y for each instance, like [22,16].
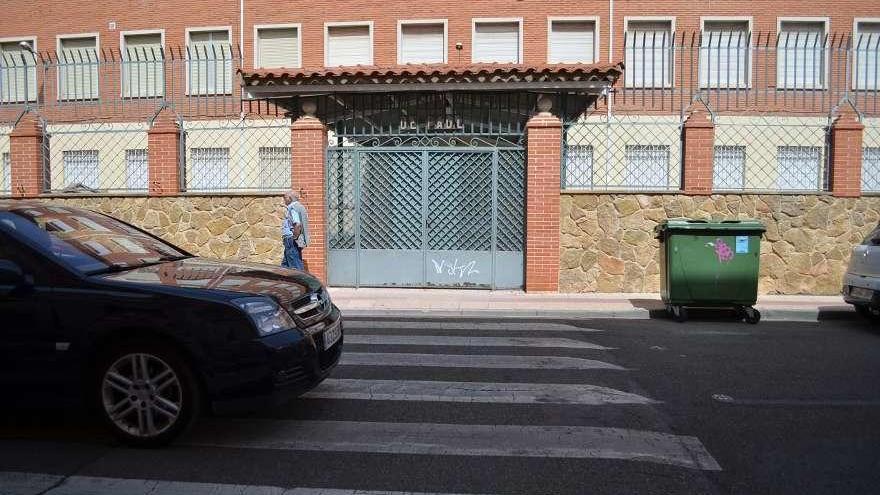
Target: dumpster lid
[699,224]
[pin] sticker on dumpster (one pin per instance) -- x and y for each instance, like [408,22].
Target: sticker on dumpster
[722,250]
[742,244]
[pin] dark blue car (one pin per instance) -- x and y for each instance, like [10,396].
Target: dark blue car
[146,333]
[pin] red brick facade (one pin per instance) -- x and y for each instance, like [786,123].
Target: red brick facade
[26,157]
[63,18]
[543,165]
[308,155]
[163,153]
[698,154]
[846,154]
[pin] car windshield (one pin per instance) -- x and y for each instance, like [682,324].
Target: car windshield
[87,242]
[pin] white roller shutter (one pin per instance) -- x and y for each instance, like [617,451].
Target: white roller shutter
[16,67]
[209,70]
[278,47]
[801,57]
[724,55]
[143,69]
[649,58]
[496,42]
[572,42]
[78,69]
[867,59]
[349,46]
[422,44]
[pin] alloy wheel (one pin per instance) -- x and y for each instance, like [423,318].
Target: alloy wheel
[142,395]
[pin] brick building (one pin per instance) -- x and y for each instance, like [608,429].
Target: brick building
[518,144]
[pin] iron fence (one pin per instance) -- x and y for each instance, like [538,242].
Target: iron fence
[871,156]
[251,153]
[5,160]
[83,81]
[622,152]
[733,69]
[771,153]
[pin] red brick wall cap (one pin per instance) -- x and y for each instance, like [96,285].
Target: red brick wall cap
[28,126]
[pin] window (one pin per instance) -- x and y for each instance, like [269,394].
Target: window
[579,165]
[870,169]
[497,42]
[274,168]
[422,43]
[136,174]
[349,45]
[867,55]
[801,55]
[724,54]
[729,167]
[18,72]
[649,56]
[209,168]
[647,166]
[798,168]
[209,66]
[278,47]
[81,167]
[78,68]
[143,73]
[6,163]
[572,41]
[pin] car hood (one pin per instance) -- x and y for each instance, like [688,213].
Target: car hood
[237,278]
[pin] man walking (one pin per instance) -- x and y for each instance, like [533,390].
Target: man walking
[291,230]
[303,240]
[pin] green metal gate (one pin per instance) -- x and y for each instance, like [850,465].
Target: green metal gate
[426,217]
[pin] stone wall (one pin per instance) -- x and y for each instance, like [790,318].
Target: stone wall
[230,227]
[608,241]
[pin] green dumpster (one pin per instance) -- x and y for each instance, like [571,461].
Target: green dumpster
[710,264]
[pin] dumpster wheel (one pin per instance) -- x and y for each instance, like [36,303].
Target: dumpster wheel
[679,313]
[750,315]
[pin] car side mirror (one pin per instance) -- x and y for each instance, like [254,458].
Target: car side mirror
[11,276]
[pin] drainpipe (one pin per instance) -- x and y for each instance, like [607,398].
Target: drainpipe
[241,30]
[610,31]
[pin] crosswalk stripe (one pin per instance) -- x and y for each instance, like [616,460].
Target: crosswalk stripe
[473,361]
[12,483]
[570,442]
[475,326]
[435,340]
[473,392]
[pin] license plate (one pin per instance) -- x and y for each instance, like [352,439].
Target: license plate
[861,293]
[331,335]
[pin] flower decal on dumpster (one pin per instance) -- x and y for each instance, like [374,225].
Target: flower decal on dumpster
[722,250]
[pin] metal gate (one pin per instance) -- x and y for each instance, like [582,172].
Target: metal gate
[426,217]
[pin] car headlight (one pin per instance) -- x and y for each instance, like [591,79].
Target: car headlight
[267,316]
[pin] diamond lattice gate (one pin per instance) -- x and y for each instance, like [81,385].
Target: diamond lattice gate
[426,217]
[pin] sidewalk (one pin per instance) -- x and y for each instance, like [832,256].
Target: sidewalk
[393,302]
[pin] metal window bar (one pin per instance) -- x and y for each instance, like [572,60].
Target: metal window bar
[871,156]
[98,156]
[250,154]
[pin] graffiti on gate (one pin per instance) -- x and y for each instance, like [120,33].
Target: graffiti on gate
[454,269]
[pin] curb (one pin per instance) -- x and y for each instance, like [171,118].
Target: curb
[811,314]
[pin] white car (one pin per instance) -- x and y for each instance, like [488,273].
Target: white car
[861,284]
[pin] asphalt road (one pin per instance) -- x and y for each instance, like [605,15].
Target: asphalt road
[515,407]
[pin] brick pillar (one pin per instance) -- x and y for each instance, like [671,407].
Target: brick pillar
[846,154]
[698,153]
[163,153]
[26,157]
[308,142]
[543,168]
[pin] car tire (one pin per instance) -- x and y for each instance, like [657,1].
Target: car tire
[872,314]
[146,393]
